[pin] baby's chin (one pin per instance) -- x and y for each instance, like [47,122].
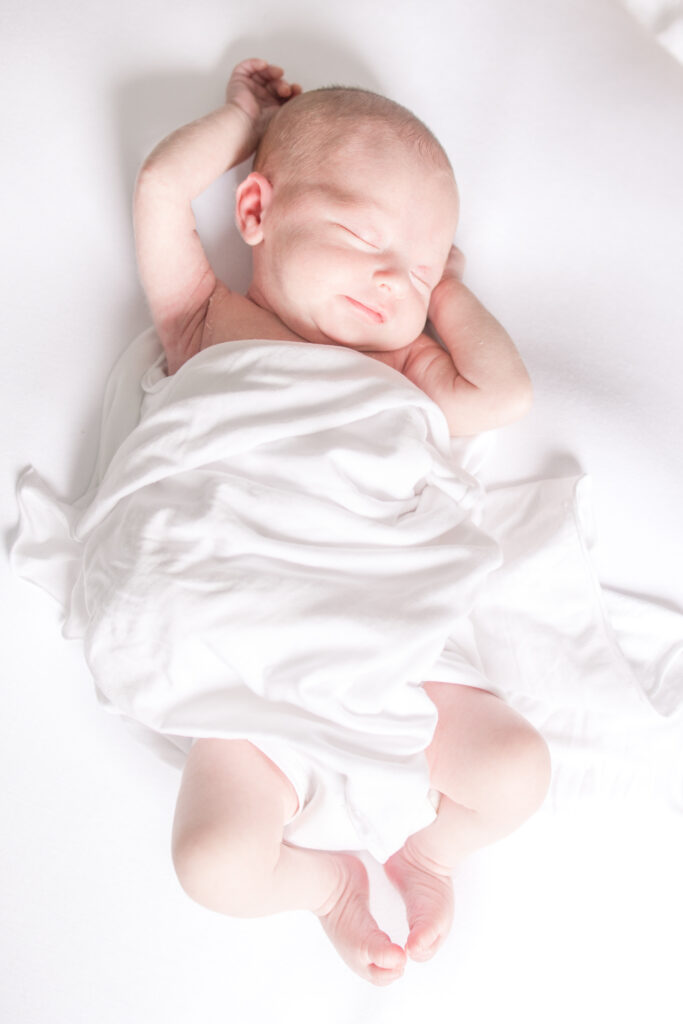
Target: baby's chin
[321,328]
[363,344]
[373,338]
[384,343]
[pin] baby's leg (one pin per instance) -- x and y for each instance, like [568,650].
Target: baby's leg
[229,855]
[493,771]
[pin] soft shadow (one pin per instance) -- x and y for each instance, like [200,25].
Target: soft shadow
[559,463]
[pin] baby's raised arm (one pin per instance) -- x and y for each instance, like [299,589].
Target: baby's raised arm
[175,273]
[481,382]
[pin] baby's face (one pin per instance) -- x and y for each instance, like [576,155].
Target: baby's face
[353,257]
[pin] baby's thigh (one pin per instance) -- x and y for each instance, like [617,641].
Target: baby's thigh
[484,754]
[232,806]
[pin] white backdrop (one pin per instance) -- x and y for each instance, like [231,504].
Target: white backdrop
[562,119]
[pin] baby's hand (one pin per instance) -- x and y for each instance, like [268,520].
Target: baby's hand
[455,264]
[454,268]
[258,89]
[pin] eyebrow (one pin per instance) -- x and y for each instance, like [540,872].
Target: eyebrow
[353,199]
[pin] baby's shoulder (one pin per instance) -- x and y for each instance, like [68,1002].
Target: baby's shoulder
[234,317]
[226,316]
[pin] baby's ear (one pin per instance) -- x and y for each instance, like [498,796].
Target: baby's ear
[251,201]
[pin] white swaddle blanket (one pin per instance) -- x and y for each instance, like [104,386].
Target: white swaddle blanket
[281,542]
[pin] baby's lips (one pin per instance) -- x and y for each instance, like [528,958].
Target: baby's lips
[371,311]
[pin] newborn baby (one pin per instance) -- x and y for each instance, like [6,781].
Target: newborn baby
[350,210]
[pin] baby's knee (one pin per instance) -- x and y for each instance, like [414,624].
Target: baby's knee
[217,871]
[525,769]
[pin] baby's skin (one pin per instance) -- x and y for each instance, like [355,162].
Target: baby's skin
[428,898]
[362,256]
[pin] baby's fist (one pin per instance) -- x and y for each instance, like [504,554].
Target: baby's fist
[455,264]
[259,90]
[452,271]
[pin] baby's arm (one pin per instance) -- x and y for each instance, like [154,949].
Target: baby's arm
[175,273]
[481,382]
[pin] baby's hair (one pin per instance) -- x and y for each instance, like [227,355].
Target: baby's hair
[304,131]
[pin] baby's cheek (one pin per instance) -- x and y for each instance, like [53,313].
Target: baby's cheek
[417,319]
[311,270]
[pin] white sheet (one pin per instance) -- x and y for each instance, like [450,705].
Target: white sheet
[281,542]
[278,551]
[563,123]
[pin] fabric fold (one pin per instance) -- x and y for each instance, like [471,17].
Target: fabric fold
[281,542]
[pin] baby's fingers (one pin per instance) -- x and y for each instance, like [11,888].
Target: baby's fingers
[270,76]
[256,81]
[285,91]
[455,264]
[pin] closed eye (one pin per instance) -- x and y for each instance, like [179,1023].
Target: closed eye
[424,283]
[350,232]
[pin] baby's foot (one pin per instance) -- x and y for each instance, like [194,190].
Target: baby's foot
[429,902]
[353,930]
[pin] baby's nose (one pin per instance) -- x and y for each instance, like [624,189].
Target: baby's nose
[391,279]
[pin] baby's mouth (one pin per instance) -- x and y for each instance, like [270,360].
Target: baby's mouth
[372,314]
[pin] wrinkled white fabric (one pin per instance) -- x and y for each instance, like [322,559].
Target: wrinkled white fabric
[279,549]
[280,542]
[598,672]
[664,19]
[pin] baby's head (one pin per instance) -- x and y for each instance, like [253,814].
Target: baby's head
[351,209]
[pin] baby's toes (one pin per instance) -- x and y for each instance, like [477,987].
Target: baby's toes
[382,976]
[423,942]
[384,953]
